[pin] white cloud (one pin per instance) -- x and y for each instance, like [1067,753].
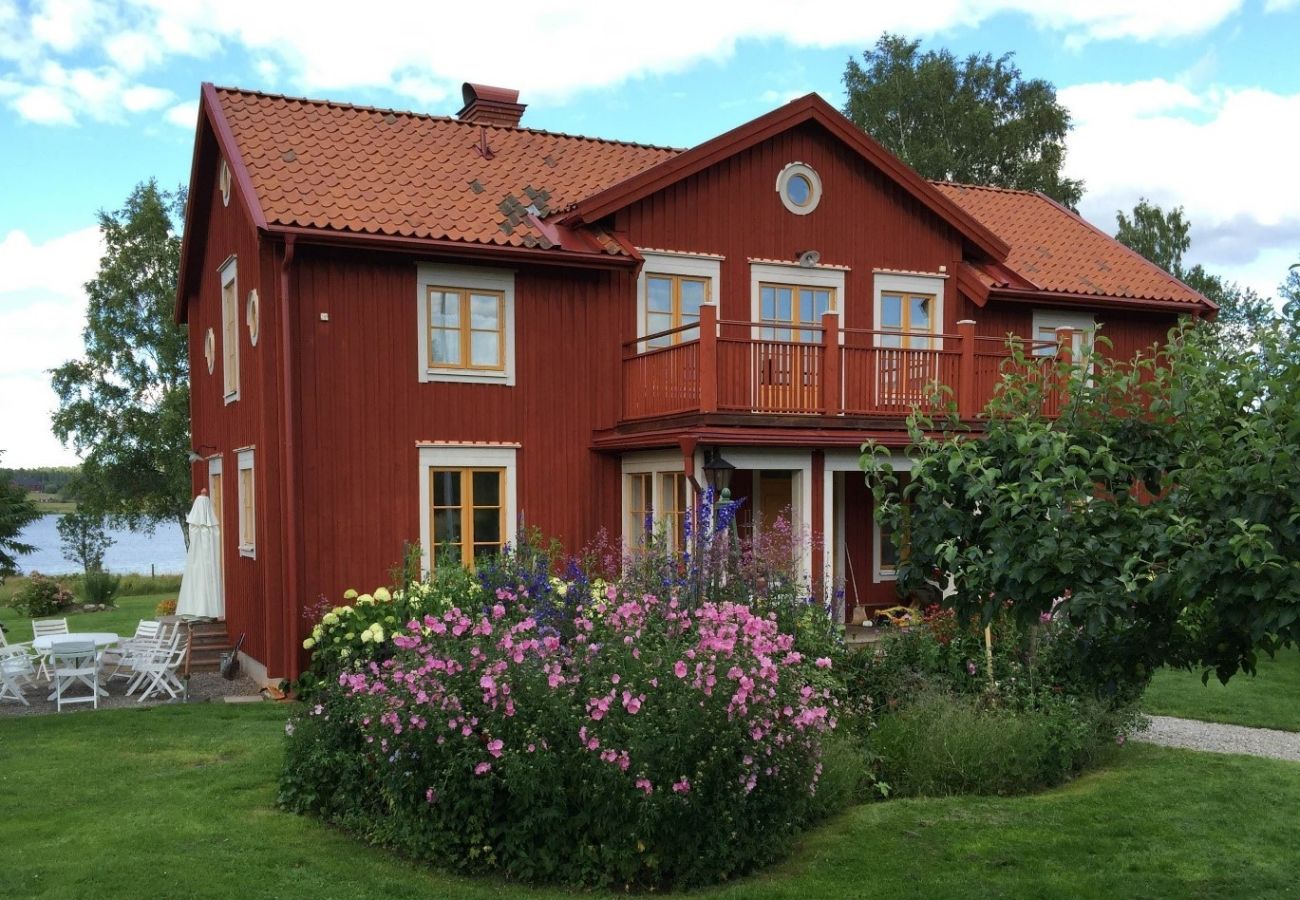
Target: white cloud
[1271,6]
[1223,154]
[42,313]
[143,98]
[184,115]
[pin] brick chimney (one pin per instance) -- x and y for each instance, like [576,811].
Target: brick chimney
[485,105]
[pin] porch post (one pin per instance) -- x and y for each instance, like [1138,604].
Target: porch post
[708,358]
[830,363]
[816,528]
[966,403]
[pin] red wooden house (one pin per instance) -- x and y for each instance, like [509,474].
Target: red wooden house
[588,319]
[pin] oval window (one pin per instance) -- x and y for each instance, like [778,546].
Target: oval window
[223,182]
[800,188]
[251,317]
[210,350]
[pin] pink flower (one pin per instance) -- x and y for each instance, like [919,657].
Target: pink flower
[430,796]
[683,786]
[679,669]
[645,785]
[970,667]
[483,768]
[823,662]
[614,679]
[494,747]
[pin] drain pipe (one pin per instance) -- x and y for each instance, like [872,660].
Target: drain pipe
[288,473]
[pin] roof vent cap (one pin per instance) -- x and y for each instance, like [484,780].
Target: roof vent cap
[487,105]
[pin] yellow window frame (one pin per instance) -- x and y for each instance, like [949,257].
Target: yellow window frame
[675,307]
[467,507]
[465,328]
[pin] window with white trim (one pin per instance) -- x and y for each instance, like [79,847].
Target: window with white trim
[800,188]
[1046,322]
[656,496]
[791,295]
[247,504]
[467,503]
[907,309]
[466,324]
[670,290]
[886,555]
[230,329]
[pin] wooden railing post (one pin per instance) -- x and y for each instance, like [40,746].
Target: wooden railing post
[831,363]
[967,406]
[708,358]
[1064,343]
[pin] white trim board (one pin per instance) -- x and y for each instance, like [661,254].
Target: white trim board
[466,456]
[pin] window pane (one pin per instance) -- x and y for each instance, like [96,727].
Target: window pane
[799,190]
[821,303]
[484,551]
[446,487]
[485,312]
[487,488]
[656,322]
[806,306]
[784,303]
[487,526]
[485,348]
[890,340]
[444,347]
[920,309]
[693,294]
[767,303]
[444,309]
[891,311]
[659,293]
[446,526]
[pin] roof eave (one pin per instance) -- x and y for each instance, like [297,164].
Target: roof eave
[1064,298]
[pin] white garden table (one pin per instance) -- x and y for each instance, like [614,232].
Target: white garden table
[100,639]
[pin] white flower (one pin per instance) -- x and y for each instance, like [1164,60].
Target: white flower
[382,595]
[309,643]
[365,600]
[330,619]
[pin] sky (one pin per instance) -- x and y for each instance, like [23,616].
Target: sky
[1186,102]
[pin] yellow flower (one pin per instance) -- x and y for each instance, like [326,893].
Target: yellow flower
[365,636]
[345,653]
[377,633]
[317,632]
[365,600]
[330,618]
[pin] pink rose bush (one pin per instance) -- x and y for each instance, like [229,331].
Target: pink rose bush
[634,742]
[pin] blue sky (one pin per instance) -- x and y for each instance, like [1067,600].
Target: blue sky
[1194,103]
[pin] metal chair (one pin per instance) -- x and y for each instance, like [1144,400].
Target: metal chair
[73,663]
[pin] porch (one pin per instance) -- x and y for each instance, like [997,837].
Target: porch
[726,366]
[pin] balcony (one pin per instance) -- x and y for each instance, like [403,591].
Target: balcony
[726,367]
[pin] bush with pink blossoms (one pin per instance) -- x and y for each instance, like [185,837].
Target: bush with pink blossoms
[644,745]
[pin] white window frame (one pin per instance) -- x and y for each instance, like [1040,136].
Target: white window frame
[656,465]
[895,283]
[814,184]
[469,278]
[832,277]
[1083,323]
[467,456]
[666,262]
[229,273]
[245,461]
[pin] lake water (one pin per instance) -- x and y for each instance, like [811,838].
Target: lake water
[132,551]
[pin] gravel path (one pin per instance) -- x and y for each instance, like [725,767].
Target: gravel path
[204,687]
[1213,737]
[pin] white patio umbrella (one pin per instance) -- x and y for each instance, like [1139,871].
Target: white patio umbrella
[201,583]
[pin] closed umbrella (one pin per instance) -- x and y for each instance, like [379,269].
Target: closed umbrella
[201,584]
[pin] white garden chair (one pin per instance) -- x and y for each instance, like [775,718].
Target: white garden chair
[159,667]
[73,663]
[44,628]
[147,633]
[16,673]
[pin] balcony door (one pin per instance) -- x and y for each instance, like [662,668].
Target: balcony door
[788,353]
[908,368]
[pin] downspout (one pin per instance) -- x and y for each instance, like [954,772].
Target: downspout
[288,479]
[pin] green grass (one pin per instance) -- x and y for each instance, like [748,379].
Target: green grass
[122,620]
[180,801]
[51,503]
[1271,699]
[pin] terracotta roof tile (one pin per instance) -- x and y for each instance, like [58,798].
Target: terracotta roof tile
[1059,251]
[320,164]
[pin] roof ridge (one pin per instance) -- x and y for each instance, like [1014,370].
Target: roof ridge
[343,104]
[985,187]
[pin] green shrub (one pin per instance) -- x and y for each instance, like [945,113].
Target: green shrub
[942,743]
[136,585]
[101,587]
[42,596]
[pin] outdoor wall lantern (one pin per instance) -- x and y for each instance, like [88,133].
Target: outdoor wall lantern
[717,474]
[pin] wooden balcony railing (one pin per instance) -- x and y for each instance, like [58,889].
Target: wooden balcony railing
[730,366]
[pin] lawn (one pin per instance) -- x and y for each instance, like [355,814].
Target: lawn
[1271,699]
[122,620]
[179,801]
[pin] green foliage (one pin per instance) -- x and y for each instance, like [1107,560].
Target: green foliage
[974,120]
[101,588]
[124,405]
[16,513]
[41,597]
[84,540]
[1160,510]
[942,743]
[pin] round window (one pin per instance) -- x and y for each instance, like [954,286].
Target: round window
[210,350]
[223,182]
[800,188]
[251,316]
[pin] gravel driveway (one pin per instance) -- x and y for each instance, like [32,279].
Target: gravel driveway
[1213,737]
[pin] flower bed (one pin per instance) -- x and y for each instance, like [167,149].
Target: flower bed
[633,741]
